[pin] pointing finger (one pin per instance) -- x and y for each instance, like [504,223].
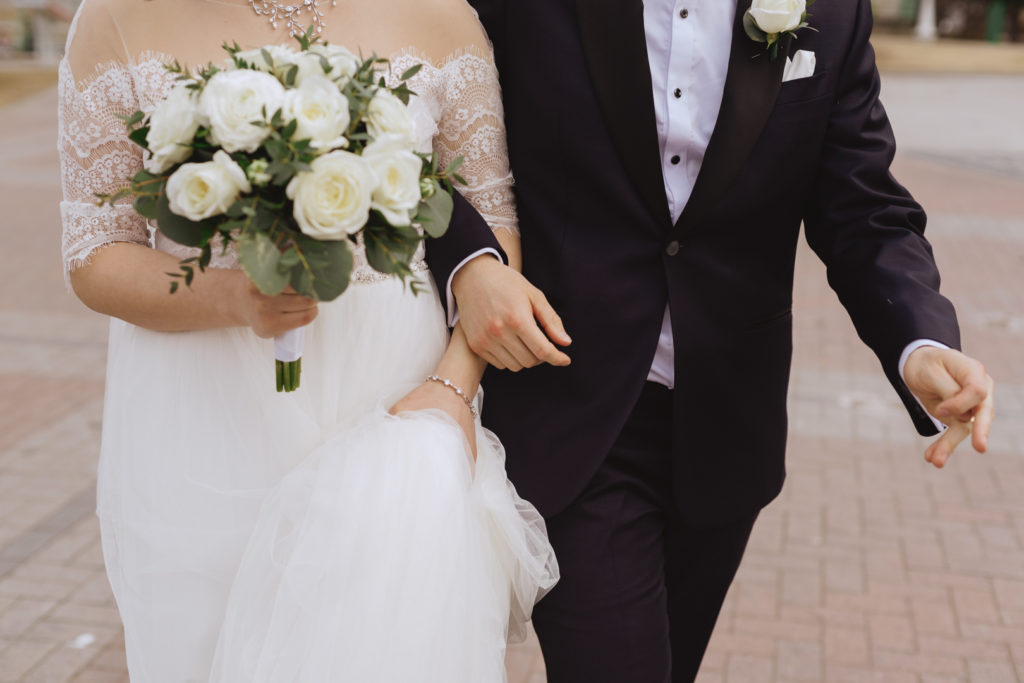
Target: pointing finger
[938,453]
[983,420]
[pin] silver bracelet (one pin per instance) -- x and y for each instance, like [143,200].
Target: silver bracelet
[458,390]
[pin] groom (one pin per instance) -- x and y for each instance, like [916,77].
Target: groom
[664,163]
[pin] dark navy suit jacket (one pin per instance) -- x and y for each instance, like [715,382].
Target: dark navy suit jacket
[598,239]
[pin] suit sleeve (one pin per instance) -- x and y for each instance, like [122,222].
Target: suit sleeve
[869,231]
[468,233]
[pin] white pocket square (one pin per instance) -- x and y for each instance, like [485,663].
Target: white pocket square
[800,66]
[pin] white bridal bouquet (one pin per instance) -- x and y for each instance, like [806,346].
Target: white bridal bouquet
[292,155]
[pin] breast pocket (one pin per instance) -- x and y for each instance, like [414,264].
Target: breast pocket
[804,89]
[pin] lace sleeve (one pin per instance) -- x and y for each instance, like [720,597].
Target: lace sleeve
[96,157]
[473,125]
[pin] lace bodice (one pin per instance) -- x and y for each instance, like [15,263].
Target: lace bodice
[457,111]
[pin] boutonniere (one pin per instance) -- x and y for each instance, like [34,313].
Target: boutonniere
[769,20]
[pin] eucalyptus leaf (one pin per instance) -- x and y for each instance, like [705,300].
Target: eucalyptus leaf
[180,229]
[138,136]
[331,264]
[261,261]
[146,207]
[410,72]
[455,165]
[290,257]
[435,213]
[389,249]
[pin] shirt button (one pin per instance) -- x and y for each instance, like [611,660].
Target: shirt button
[684,13]
[675,160]
[678,92]
[672,248]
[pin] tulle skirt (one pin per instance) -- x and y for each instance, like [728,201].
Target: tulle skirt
[256,536]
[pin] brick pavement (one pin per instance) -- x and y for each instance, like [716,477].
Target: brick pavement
[870,566]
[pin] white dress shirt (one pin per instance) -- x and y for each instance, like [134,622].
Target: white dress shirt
[688,44]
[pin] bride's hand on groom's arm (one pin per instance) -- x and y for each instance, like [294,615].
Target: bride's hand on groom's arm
[957,390]
[507,321]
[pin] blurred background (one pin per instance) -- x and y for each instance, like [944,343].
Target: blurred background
[870,567]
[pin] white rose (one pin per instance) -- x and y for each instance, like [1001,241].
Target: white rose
[387,115]
[232,100]
[198,191]
[343,63]
[321,112]
[333,199]
[777,16]
[172,127]
[398,170]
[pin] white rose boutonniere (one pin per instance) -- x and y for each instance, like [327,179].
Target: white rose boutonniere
[769,20]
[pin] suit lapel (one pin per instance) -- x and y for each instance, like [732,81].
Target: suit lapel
[751,87]
[615,46]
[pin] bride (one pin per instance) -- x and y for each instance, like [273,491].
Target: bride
[343,532]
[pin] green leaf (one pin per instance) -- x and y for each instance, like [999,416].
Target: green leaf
[288,131]
[435,213]
[753,30]
[410,72]
[277,149]
[290,74]
[180,229]
[290,258]
[330,267]
[261,261]
[138,136]
[237,210]
[146,207]
[143,176]
[108,199]
[277,120]
[131,121]
[205,257]
[455,165]
[389,249]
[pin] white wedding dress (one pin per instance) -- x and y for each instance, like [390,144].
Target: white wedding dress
[252,536]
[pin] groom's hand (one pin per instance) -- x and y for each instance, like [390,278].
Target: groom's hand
[956,390]
[502,315]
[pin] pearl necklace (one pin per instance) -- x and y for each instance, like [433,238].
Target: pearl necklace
[292,13]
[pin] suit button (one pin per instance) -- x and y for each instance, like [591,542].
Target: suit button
[672,248]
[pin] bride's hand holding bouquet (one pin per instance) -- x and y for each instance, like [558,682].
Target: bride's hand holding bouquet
[294,156]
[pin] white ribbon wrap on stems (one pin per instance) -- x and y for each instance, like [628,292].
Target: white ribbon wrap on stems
[288,346]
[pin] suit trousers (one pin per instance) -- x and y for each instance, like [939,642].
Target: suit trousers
[641,589]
